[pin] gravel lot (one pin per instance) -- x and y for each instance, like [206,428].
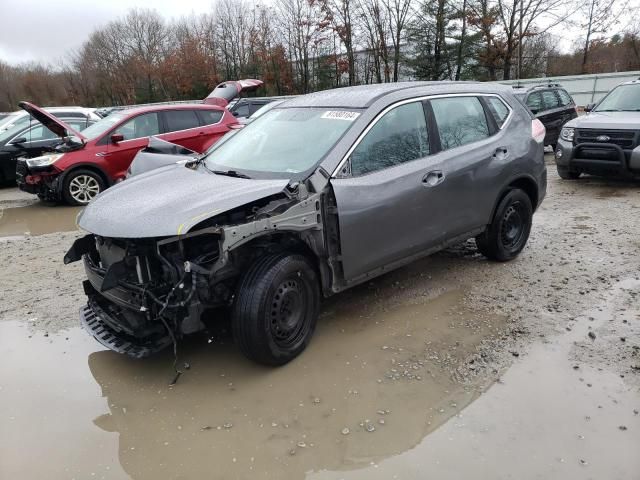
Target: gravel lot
[423,342]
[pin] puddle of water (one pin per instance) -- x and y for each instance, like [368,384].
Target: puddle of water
[37,219]
[544,419]
[80,410]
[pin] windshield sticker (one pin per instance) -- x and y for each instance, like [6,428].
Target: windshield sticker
[340,115]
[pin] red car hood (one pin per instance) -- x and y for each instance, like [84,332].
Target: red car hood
[54,124]
[227,91]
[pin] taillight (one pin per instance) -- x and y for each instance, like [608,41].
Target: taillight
[537,130]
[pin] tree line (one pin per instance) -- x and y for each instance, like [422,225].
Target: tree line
[300,46]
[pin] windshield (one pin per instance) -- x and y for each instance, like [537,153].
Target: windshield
[625,98]
[12,131]
[282,142]
[15,119]
[102,126]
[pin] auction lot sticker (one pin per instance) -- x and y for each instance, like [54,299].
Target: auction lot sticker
[340,115]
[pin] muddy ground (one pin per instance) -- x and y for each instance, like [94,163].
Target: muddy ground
[453,367]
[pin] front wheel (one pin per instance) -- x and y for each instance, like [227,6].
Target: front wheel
[276,307]
[81,186]
[509,230]
[567,174]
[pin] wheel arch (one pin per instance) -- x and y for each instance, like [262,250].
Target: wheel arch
[524,183]
[84,166]
[295,242]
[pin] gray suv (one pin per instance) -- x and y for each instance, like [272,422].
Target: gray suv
[321,193]
[606,141]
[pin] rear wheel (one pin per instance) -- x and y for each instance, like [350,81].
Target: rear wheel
[509,230]
[566,174]
[81,186]
[276,307]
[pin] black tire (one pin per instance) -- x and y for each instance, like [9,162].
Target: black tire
[509,230]
[567,174]
[275,310]
[81,186]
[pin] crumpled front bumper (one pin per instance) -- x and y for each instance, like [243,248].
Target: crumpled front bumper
[92,320]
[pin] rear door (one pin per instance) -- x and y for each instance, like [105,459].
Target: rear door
[213,127]
[183,127]
[473,147]
[136,132]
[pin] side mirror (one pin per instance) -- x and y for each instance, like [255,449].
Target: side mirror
[117,137]
[589,107]
[19,140]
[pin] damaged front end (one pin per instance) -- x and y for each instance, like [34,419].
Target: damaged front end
[143,292]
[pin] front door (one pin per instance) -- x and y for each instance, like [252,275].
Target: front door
[136,132]
[384,201]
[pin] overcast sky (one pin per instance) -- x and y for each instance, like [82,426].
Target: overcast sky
[45,30]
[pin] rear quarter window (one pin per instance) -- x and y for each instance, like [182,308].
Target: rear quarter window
[498,109]
[209,117]
[565,98]
[181,120]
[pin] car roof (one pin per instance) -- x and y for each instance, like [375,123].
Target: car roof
[363,96]
[631,82]
[157,108]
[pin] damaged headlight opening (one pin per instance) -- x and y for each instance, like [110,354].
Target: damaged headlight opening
[44,160]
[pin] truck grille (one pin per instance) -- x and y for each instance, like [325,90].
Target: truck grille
[627,139]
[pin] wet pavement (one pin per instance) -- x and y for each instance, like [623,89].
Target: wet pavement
[453,367]
[227,415]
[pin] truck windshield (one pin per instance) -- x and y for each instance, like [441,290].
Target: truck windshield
[625,98]
[282,142]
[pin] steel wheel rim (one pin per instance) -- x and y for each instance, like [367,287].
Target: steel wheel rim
[83,188]
[513,225]
[288,312]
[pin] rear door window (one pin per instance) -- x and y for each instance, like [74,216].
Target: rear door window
[144,125]
[399,136]
[534,102]
[461,120]
[181,120]
[550,99]
[565,98]
[498,109]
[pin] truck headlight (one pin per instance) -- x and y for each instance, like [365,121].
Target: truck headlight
[567,134]
[44,160]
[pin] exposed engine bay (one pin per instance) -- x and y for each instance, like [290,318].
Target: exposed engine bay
[143,293]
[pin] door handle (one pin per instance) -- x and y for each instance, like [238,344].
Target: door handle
[202,133]
[433,178]
[500,153]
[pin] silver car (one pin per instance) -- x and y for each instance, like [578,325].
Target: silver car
[315,196]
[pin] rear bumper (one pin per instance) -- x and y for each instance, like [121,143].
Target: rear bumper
[598,158]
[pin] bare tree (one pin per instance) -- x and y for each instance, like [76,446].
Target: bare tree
[598,17]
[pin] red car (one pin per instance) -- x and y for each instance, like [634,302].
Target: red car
[86,163]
